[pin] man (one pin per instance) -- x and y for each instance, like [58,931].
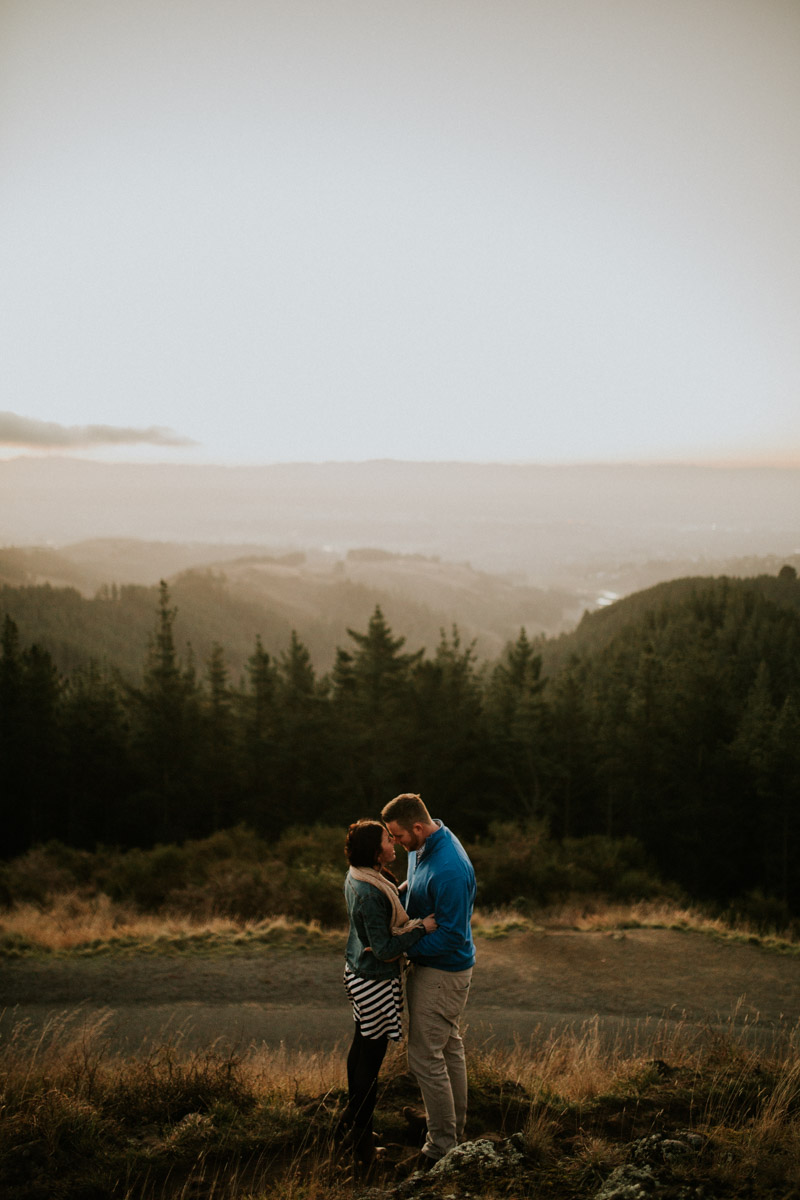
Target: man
[440,880]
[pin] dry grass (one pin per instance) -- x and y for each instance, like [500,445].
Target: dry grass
[77,1119]
[70,922]
[169,1124]
[69,1040]
[572,1064]
[595,917]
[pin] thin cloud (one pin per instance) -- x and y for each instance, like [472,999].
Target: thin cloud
[25,431]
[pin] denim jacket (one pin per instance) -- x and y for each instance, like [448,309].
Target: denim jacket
[370,916]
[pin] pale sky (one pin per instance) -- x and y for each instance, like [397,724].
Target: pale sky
[260,231]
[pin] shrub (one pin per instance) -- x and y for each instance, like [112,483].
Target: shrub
[235,873]
[46,869]
[316,846]
[255,891]
[767,914]
[148,877]
[617,867]
[522,865]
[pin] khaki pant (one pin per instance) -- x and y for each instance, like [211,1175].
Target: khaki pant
[436,1000]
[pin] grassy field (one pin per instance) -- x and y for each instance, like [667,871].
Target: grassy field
[77,1123]
[704,1113]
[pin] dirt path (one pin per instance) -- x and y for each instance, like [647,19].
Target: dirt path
[524,985]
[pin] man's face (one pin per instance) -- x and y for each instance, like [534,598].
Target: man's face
[409,839]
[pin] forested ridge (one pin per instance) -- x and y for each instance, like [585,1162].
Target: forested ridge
[111,628]
[600,627]
[69,610]
[672,717]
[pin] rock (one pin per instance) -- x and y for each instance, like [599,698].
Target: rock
[658,1148]
[649,1174]
[478,1158]
[481,1155]
[628,1183]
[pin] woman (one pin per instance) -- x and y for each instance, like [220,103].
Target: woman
[380,932]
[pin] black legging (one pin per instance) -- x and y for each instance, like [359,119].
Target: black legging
[363,1065]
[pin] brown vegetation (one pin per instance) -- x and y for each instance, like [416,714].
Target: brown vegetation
[78,1122]
[76,922]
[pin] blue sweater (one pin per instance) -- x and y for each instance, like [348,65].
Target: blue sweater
[441,881]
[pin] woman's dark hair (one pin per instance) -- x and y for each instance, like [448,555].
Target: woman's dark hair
[363,842]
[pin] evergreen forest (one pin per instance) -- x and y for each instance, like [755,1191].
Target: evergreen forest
[671,718]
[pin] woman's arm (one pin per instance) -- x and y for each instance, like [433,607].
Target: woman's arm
[381,941]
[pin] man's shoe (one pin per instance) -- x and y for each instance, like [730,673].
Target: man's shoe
[413,1164]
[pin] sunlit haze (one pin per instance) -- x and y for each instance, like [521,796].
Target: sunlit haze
[259,232]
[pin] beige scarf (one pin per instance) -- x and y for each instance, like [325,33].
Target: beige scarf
[400,921]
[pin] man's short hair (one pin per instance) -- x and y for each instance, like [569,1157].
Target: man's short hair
[406,810]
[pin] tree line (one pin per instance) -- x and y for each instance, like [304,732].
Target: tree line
[682,731]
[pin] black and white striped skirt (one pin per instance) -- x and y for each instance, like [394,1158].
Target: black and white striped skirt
[377,1005]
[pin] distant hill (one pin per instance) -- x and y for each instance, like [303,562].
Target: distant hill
[229,594]
[79,604]
[635,617]
[98,562]
[568,526]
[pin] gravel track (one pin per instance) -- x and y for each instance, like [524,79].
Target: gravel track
[637,985]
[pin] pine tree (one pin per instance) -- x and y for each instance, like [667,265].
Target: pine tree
[518,728]
[262,682]
[98,772]
[450,735]
[218,755]
[786,838]
[574,779]
[372,699]
[167,733]
[38,748]
[12,765]
[307,774]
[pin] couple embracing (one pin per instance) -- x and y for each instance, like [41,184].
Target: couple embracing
[425,923]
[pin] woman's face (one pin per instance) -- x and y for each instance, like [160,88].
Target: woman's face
[386,853]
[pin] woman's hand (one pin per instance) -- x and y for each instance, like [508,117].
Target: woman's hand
[429,923]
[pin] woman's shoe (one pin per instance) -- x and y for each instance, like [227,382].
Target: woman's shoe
[366,1166]
[342,1129]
